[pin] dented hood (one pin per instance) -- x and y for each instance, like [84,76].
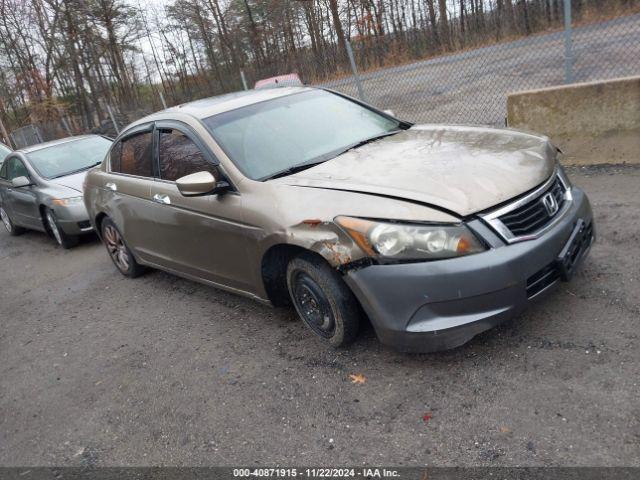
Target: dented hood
[461,169]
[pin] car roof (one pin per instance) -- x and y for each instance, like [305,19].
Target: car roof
[39,146]
[230,101]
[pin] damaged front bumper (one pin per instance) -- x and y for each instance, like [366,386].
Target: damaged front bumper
[438,305]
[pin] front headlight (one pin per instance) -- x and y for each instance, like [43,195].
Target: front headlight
[67,202]
[402,241]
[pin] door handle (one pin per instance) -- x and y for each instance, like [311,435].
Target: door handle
[111,186]
[161,198]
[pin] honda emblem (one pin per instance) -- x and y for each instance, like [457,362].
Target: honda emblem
[550,204]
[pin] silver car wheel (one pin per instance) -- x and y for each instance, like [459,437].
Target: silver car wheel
[54,228]
[6,220]
[116,248]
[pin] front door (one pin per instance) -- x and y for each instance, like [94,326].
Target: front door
[22,202]
[203,236]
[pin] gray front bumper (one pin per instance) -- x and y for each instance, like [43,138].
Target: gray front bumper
[430,306]
[74,219]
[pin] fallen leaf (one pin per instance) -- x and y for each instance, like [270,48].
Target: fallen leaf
[358,378]
[505,430]
[426,417]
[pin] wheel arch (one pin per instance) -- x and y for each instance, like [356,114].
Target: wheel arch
[273,268]
[321,239]
[99,218]
[42,209]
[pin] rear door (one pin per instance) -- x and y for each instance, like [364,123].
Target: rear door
[127,188]
[203,236]
[22,202]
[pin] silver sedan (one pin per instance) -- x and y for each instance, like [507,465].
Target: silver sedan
[41,187]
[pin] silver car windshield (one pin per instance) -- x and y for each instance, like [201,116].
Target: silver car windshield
[69,157]
[301,129]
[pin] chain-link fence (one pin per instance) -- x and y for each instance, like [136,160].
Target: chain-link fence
[471,86]
[461,74]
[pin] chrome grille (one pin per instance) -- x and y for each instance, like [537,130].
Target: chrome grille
[530,216]
[534,215]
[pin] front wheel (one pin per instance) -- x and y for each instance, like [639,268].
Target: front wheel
[118,250]
[322,299]
[8,224]
[64,240]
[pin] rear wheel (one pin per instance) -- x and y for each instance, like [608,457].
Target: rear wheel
[64,240]
[8,224]
[322,299]
[118,250]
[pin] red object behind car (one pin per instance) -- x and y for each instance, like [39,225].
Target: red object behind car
[288,80]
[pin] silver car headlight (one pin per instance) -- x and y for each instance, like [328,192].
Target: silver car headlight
[406,241]
[67,202]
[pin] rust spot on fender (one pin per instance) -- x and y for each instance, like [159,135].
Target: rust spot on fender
[336,252]
[325,238]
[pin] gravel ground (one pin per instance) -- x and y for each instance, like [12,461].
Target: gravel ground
[99,370]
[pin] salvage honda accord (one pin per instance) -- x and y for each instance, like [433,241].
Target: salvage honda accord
[435,233]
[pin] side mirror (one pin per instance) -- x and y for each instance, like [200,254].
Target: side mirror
[199,183]
[21,182]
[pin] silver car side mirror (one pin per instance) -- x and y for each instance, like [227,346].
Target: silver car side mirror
[199,183]
[21,182]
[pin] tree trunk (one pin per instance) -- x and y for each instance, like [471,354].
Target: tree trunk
[445,35]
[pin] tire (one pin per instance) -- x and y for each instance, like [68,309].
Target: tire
[63,239]
[12,229]
[118,251]
[322,299]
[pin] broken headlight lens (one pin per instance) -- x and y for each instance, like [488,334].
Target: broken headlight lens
[404,241]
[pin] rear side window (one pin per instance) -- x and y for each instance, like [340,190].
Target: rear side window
[133,155]
[114,157]
[180,156]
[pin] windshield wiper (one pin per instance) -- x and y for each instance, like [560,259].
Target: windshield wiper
[294,169]
[329,156]
[76,171]
[365,141]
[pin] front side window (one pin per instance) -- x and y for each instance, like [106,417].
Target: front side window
[4,151]
[180,156]
[133,155]
[16,168]
[3,170]
[69,157]
[312,126]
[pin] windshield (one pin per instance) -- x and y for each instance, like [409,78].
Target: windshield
[4,151]
[270,137]
[70,157]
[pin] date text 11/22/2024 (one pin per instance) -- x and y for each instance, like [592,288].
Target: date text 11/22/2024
[316,472]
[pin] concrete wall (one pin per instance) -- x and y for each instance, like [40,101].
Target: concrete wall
[597,122]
